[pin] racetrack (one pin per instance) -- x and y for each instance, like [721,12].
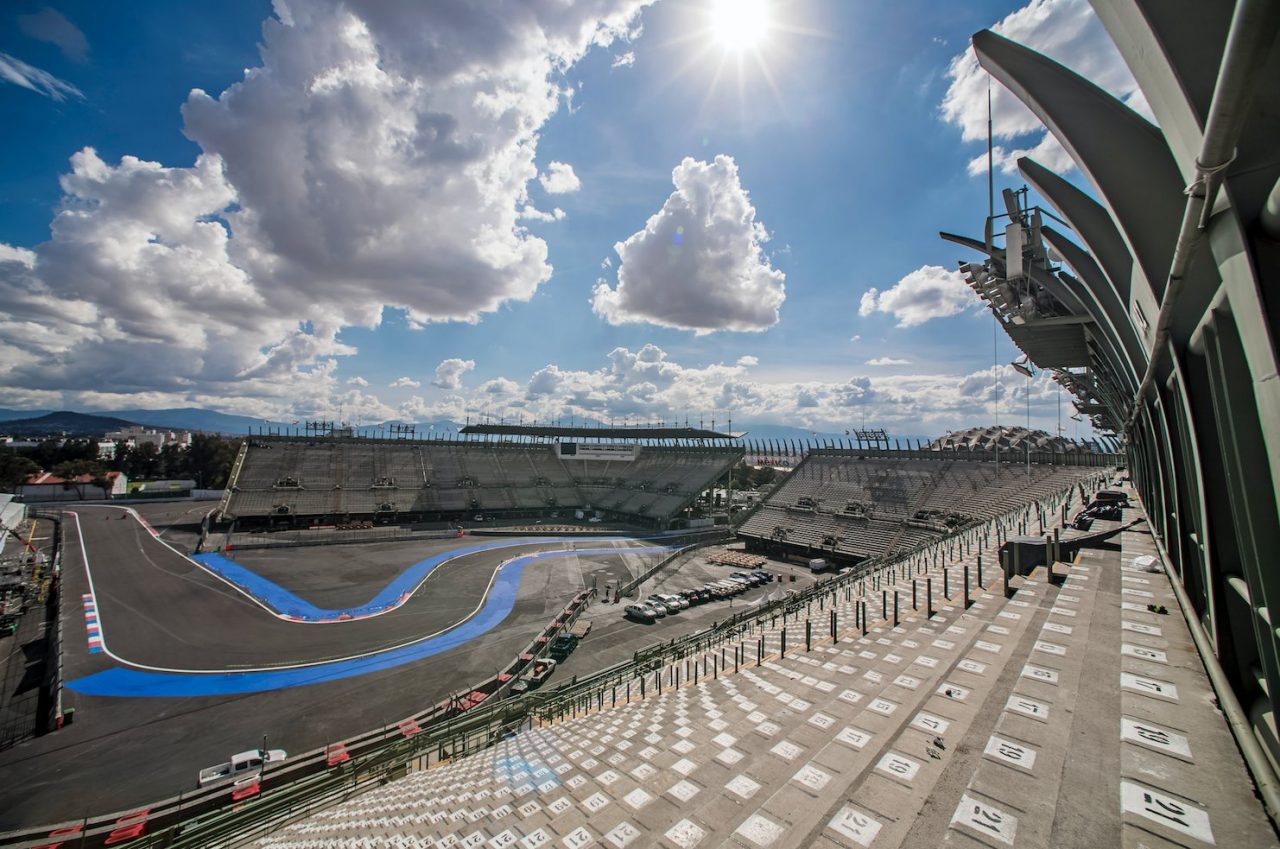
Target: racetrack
[161,611]
[156,606]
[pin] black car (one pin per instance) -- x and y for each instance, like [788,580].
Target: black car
[562,646]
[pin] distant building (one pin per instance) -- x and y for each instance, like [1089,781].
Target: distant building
[44,486]
[135,436]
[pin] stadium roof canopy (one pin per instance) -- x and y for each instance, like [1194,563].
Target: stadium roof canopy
[618,433]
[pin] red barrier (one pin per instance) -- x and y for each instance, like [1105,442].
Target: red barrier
[336,754]
[69,831]
[128,827]
[410,727]
[247,790]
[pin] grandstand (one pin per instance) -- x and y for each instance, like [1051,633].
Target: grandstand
[1125,698]
[293,480]
[854,505]
[987,716]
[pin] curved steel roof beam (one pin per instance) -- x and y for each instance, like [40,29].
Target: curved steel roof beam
[1122,154]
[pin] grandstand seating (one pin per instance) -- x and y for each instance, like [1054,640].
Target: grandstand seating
[294,479]
[845,504]
[962,729]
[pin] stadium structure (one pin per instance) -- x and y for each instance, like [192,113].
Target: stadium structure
[851,506]
[1154,302]
[642,476]
[938,692]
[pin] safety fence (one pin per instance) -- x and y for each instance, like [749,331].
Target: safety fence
[472,720]
[680,554]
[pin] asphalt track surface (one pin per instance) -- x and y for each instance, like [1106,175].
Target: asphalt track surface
[156,605]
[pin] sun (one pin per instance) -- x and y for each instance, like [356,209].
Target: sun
[739,24]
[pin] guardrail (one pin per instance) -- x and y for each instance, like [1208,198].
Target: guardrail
[628,588]
[229,814]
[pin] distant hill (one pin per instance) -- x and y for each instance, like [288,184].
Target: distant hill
[230,424]
[64,421]
[194,418]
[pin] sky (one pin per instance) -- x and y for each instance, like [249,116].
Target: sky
[618,210]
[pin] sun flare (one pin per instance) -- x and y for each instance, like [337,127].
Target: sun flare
[739,24]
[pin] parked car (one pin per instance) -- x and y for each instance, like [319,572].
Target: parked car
[659,609]
[755,579]
[746,582]
[640,613]
[562,646]
[660,602]
[763,576]
[673,598]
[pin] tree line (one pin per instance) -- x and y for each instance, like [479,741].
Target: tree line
[207,461]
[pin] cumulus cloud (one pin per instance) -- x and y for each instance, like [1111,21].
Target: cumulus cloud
[378,156]
[748,360]
[560,179]
[646,384]
[499,386]
[697,264]
[51,26]
[449,373]
[1066,31]
[404,383]
[930,291]
[888,361]
[357,381]
[14,70]
[624,60]
[545,381]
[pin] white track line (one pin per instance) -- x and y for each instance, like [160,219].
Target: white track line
[304,665]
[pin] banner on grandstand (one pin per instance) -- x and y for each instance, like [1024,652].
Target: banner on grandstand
[577,451]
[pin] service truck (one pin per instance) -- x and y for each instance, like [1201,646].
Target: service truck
[240,765]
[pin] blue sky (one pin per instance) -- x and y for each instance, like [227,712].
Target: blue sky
[621,210]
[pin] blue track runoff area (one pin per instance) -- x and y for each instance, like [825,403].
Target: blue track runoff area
[138,683]
[391,596]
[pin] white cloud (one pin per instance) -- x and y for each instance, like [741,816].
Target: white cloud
[748,360]
[888,361]
[545,381]
[449,373]
[357,381]
[930,291]
[1066,31]
[856,337]
[499,386]
[624,60]
[14,70]
[560,179]
[532,213]
[378,156]
[51,26]
[697,264]
[404,383]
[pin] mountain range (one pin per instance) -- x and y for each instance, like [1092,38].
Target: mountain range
[95,423]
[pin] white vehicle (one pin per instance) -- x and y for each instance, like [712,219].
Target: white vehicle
[240,765]
[674,601]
